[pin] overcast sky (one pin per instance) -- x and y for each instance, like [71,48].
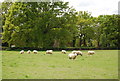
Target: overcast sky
[96,7]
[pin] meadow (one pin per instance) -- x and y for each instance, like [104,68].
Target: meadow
[102,65]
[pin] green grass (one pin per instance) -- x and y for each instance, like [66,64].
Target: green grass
[102,65]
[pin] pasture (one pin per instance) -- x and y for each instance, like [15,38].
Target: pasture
[102,65]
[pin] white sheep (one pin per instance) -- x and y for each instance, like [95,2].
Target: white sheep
[22,51]
[77,52]
[91,52]
[72,56]
[49,51]
[64,51]
[74,52]
[28,51]
[35,51]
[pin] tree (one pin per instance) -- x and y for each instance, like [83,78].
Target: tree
[4,7]
[109,30]
[39,24]
[85,28]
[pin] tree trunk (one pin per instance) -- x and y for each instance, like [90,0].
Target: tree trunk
[98,44]
[56,43]
[80,42]
[84,42]
[89,42]
[74,41]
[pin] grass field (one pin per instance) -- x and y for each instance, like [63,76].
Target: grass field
[102,65]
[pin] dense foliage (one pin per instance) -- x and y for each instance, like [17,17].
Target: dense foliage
[46,24]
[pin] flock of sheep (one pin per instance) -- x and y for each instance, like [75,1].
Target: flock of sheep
[71,55]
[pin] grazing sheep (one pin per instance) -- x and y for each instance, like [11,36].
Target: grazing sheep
[22,51]
[77,52]
[63,51]
[72,56]
[28,51]
[35,51]
[74,52]
[91,52]
[49,51]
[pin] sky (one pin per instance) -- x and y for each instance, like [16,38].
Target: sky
[96,7]
[1,0]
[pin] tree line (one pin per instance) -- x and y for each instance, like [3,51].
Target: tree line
[46,24]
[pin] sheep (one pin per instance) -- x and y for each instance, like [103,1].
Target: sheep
[77,52]
[74,52]
[63,51]
[35,51]
[49,51]
[91,52]
[72,56]
[28,51]
[22,51]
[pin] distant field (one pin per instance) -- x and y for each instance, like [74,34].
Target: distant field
[102,65]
